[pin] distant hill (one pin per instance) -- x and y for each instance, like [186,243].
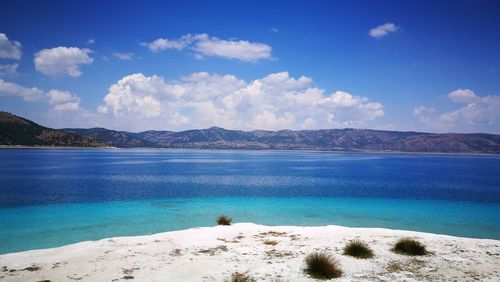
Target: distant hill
[18,131]
[325,139]
[15,130]
[121,139]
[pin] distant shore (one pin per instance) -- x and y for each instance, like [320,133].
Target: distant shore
[52,147]
[257,150]
[265,253]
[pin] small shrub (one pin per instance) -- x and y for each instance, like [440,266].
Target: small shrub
[240,277]
[410,247]
[358,249]
[322,266]
[224,220]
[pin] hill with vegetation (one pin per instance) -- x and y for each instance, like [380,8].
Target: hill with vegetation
[16,130]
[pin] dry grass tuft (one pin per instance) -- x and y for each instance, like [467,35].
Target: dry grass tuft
[358,249]
[409,247]
[224,220]
[322,266]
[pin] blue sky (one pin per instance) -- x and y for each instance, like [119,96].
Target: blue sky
[173,65]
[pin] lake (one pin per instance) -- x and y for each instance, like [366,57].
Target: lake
[54,197]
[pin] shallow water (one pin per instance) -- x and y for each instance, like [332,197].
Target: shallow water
[54,197]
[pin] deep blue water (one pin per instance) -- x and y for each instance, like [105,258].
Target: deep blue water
[54,197]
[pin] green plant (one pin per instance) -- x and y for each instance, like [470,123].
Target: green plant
[322,266]
[358,249]
[224,220]
[410,247]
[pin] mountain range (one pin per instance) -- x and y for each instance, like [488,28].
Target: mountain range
[19,131]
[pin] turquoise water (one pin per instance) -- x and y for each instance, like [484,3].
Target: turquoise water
[52,198]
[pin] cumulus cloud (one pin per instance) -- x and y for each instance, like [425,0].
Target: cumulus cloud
[124,56]
[462,96]
[383,30]
[205,46]
[63,100]
[62,61]
[475,113]
[276,101]
[9,70]
[60,100]
[9,49]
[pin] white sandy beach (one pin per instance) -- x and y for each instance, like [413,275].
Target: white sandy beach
[213,253]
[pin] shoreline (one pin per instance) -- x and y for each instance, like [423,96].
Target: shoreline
[213,253]
[251,150]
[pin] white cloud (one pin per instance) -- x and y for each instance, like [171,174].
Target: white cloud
[27,94]
[462,96]
[90,41]
[241,50]
[200,100]
[63,100]
[9,49]
[60,100]
[62,61]
[273,29]
[135,94]
[205,46]
[124,56]
[161,44]
[477,114]
[9,70]
[383,30]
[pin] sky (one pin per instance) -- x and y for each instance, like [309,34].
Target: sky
[429,66]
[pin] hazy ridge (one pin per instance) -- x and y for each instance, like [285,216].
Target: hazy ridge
[19,131]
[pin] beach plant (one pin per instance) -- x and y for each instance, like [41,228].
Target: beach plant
[410,247]
[322,266]
[224,220]
[240,277]
[358,249]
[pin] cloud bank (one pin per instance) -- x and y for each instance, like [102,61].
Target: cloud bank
[61,61]
[199,100]
[474,113]
[205,46]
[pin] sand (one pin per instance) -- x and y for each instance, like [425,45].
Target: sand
[266,253]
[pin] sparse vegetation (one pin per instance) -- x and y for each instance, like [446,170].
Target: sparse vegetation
[32,268]
[358,249]
[322,266]
[213,251]
[273,254]
[272,233]
[224,220]
[271,242]
[176,252]
[410,247]
[394,267]
[240,277]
